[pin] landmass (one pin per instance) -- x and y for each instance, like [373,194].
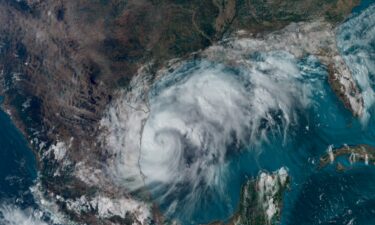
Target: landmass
[261,200]
[357,153]
[62,62]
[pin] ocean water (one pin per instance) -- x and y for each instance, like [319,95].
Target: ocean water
[302,124]
[295,132]
[18,165]
[17,174]
[323,123]
[326,196]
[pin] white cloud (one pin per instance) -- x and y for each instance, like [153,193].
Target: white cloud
[175,132]
[12,215]
[180,135]
[356,40]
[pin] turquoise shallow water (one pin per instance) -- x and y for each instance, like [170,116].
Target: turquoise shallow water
[316,196]
[325,196]
[325,123]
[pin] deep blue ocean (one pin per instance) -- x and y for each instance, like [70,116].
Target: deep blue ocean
[17,167]
[316,196]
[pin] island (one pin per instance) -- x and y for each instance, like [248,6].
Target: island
[356,153]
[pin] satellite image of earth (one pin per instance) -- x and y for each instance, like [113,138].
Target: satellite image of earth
[187,112]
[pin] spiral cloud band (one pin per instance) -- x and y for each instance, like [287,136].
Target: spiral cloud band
[175,137]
